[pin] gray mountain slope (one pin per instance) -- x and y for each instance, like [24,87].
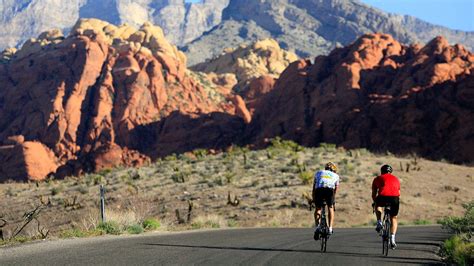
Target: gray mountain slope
[24,19]
[311,27]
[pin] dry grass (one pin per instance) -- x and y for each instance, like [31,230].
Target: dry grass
[208,221]
[268,185]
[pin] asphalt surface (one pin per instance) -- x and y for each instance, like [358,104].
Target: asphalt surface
[275,246]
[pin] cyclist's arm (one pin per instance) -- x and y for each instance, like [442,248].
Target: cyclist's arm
[374,190]
[374,194]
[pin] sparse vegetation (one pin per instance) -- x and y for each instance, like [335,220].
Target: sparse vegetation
[110,227]
[73,233]
[135,229]
[151,224]
[459,248]
[209,221]
[242,187]
[422,222]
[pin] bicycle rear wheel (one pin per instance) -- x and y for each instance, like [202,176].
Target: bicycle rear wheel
[324,241]
[386,237]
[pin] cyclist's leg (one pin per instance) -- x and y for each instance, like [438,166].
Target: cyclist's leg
[394,224]
[331,216]
[378,213]
[379,206]
[317,215]
[378,209]
[318,202]
[395,202]
[330,200]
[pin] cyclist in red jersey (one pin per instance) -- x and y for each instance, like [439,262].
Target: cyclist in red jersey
[386,190]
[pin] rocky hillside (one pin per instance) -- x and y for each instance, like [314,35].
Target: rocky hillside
[181,22]
[96,98]
[271,186]
[106,96]
[311,27]
[379,94]
[262,58]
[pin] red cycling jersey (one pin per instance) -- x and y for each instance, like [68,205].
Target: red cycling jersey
[387,185]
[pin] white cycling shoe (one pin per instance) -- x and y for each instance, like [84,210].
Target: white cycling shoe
[393,245]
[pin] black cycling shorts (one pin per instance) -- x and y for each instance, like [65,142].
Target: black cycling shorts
[324,195]
[394,203]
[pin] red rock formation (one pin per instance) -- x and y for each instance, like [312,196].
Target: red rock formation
[28,159]
[380,95]
[84,97]
[108,96]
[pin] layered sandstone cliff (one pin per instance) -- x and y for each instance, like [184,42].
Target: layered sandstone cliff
[378,94]
[106,96]
[84,100]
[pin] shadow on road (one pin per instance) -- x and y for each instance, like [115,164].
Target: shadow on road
[339,253]
[236,248]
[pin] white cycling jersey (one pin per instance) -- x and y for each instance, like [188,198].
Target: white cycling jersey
[326,179]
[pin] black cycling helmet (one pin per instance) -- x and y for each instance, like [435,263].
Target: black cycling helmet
[386,169]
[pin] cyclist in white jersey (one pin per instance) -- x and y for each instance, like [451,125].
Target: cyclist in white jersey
[324,190]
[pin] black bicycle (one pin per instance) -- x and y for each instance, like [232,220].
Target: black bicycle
[323,229]
[386,230]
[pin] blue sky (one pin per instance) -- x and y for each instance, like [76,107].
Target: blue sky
[454,14]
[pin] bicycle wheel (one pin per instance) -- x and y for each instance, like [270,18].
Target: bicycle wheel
[323,234]
[387,236]
[383,240]
[324,241]
[323,244]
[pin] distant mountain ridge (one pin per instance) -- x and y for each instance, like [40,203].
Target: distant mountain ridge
[312,27]
[182,22]
[204,29]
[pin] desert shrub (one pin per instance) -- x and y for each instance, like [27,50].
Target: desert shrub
[461,225]
[209,221]
[151,224]
[179,177]
[20,239]
[346,167]
[171,157]
[229,177]
[200,153]
[93,179]
[232,223]
[288,145]
[104,172]
[134,174]
[306,177]
[110,227]
[135,229]
[72,233]
[459,249]
[56,191]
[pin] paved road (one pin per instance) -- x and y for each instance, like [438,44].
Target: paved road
[279,246]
